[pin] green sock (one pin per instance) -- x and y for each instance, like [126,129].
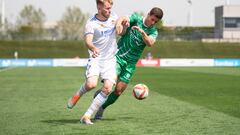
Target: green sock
[110,100]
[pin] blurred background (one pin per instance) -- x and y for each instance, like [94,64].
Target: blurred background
[192,70]
[65,19]
[54,29]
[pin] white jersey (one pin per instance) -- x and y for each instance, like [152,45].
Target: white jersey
[104,36]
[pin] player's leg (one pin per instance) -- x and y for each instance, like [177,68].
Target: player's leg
[97,102]
[100,111]
[119,67]
[125,72]
[108,75]
[98,91]
[119,89]
[90,84]
[92,73]
[124,78]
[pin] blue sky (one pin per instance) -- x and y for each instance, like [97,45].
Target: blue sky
[175,11]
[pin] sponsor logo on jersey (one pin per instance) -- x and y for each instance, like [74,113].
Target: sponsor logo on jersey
[138,41]
[102,25]
[108,32]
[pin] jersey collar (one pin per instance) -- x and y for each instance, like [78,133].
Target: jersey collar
[100,20]
[145,24]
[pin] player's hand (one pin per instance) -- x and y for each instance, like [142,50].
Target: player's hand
[138,29]
[96,52]
[121,28]
[125,23]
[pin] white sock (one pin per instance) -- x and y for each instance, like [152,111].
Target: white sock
[97,102]
[82,90]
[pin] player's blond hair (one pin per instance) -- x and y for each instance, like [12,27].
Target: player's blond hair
[103,1]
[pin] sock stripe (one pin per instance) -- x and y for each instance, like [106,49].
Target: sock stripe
[103,94]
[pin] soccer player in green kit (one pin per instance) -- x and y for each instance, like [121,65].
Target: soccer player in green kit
[140,33]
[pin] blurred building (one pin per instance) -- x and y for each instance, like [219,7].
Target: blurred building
[227,22]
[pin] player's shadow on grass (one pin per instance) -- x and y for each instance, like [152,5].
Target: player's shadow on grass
[71,121]
[62,121]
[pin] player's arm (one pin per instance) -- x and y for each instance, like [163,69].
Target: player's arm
[88,41]
[121,23]
[148,40]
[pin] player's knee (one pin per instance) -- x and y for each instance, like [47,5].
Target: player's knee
[121,86]
[91,85]
[118,91]
[107,90]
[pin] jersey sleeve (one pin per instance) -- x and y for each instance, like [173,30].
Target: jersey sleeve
[153,34]
[134,17]
[88,29]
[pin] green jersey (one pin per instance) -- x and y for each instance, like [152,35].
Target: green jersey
[131,44]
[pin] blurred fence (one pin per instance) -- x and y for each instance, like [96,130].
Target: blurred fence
[49,34]
[55,33]
[57,36]
[185,36]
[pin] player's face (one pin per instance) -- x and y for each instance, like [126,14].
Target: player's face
[105,10]
[151,20]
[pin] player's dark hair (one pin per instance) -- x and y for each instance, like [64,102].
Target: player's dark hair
[157,12]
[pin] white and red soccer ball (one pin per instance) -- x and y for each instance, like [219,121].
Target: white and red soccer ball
[140,91]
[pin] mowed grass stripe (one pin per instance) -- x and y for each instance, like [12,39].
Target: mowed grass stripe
[219,92]
[33,101]
[6,69]
[234,71]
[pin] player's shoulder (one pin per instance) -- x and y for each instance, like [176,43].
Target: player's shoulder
[136,16]
[153,28]
[152,31]
[92,19]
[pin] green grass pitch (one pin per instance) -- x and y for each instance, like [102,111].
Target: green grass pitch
[182,101]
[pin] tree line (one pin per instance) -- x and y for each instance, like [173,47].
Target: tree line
[30,25]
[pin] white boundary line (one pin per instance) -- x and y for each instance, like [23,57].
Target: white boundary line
[6,69]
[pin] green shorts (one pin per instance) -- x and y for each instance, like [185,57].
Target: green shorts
[125,70]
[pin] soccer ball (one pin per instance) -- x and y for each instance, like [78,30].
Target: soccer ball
[140,91]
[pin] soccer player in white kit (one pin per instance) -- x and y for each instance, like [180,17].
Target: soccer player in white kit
[100,39]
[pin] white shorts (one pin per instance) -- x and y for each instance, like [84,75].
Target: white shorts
[105,69]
